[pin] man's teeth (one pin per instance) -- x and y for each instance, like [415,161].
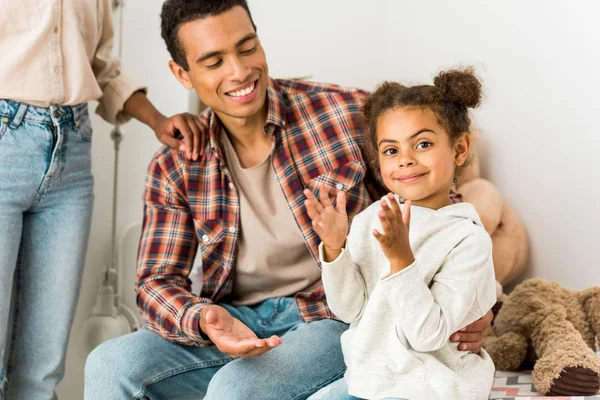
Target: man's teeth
[243,92]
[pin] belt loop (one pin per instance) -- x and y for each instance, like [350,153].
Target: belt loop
[19,116]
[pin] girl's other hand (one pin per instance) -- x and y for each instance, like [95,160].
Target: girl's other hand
[394,238]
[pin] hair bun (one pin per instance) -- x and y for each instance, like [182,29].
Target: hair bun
[460,86]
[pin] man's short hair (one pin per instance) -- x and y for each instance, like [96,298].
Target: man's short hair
[177,12]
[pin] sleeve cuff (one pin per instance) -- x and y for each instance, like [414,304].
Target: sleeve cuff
[116,94]
[322,255]
[190,324]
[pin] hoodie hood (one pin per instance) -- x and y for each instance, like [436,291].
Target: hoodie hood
[457,210]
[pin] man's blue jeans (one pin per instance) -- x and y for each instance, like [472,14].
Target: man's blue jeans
[143,365]
[46,200]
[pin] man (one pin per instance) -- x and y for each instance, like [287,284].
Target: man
[56,56]
[260,327]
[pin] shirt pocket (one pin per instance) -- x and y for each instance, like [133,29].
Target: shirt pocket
[88,20]
[344,177]
[17,16]
[210,234]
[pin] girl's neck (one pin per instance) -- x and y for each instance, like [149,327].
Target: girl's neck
[435,201]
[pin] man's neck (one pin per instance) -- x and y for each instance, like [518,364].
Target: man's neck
[248,138]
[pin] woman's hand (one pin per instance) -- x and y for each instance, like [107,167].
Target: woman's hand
[394,238]
[331,224]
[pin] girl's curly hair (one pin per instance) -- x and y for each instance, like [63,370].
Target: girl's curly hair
[452,93]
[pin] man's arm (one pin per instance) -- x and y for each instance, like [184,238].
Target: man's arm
[472,337]
[167,249]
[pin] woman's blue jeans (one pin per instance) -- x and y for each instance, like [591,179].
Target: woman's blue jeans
[46,200]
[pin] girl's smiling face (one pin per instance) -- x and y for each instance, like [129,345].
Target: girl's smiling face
[416,156]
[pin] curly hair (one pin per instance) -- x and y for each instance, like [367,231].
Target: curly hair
[177,12]
[452,93]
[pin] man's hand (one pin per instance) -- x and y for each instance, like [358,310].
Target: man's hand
[231,336]
[472,336]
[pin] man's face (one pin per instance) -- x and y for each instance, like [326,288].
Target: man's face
[227,64]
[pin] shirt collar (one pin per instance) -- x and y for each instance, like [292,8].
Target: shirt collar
[276,113]
[275,116]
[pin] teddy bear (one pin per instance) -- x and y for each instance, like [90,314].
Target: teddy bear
[509,237]
[553,330]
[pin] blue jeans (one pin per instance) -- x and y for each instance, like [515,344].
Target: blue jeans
[338,390]
[143,365]
[45,211]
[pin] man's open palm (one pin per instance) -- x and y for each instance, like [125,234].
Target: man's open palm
[232,336]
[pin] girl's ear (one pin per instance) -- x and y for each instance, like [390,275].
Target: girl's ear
[461,149]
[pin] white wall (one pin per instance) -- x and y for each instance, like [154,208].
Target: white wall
[539,62]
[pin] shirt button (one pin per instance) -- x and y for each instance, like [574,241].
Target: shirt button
[56,29]
[57,70]
[232,229]
[339,186]
[205,238]
[231,185]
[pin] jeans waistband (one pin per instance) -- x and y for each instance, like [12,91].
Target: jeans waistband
[14,112]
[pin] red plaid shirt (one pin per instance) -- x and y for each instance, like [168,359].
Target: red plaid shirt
[317,135]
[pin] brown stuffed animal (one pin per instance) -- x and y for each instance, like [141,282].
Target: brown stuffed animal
[552,329]
[509,238]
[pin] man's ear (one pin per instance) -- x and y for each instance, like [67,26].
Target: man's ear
[461,149]
[181,74]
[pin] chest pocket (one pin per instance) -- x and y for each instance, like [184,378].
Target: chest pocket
[345,177]
[210,235]
[19,16]
[89,17]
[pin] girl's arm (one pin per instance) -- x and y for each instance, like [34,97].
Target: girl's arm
[344,285]
[462,291]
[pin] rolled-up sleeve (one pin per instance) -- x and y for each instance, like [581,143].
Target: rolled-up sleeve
[167,249]
[116,86]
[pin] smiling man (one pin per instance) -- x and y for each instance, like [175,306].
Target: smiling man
[261,327]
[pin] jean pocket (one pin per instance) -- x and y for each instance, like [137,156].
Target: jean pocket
[84,128]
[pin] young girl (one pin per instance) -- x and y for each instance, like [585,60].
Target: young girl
[407,276]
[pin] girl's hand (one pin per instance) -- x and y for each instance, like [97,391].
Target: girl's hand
[394,239]
[331,224]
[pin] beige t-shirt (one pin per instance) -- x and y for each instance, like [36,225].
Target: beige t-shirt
[273,260]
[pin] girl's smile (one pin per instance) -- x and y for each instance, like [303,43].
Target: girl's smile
[417,157]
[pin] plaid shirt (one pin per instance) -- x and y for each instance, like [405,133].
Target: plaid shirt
[317,139]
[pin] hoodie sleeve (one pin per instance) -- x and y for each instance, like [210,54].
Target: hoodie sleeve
[462,291]
[343,281]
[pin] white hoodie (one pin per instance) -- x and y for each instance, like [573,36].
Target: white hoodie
[398,341]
